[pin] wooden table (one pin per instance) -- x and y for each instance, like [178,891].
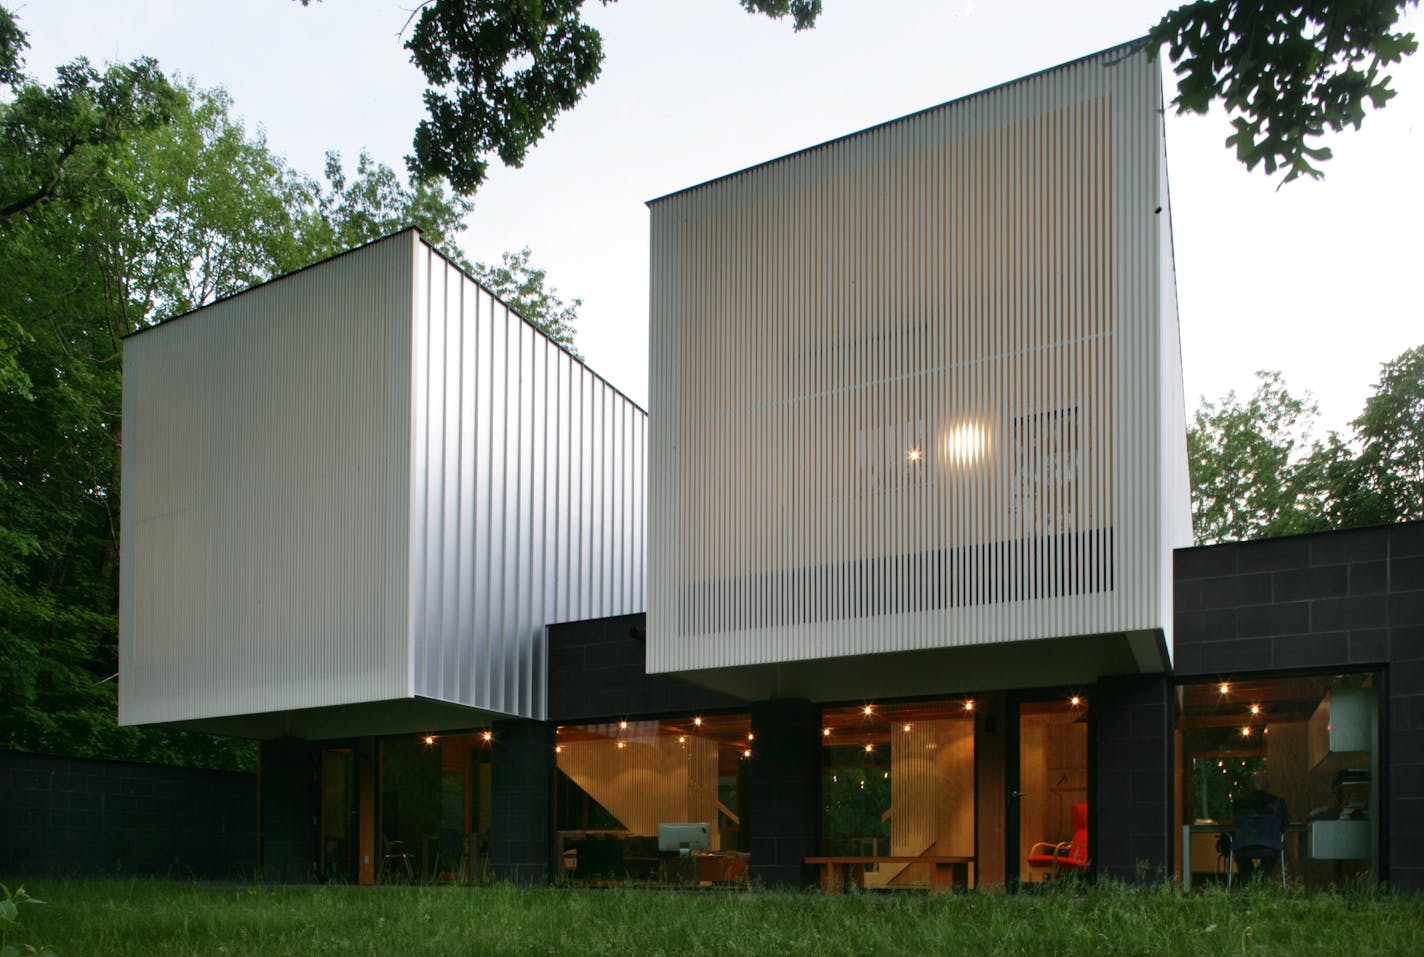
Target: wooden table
[949,872]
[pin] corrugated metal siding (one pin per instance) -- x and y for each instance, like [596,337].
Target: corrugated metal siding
[906,384]
[527,478]
[265,479]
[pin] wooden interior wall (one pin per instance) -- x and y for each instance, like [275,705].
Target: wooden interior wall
[931,794]
[651,781]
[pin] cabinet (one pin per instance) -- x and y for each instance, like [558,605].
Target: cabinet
[1339,840]
[1342,725]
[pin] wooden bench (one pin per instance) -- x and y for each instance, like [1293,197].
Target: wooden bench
[948,872]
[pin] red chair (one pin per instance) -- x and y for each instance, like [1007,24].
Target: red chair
[1070,856]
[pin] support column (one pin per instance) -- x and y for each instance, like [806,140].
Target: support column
[1131,807]
[521,833]
[785,791]
[288,810]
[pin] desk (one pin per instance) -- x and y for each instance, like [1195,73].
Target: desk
[1189,829]
[949,872]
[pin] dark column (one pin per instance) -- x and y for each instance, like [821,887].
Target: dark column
[521,834]
[785,791]
[288,828]
[1131,812]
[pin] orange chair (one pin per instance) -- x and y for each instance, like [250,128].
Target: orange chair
[1070,856]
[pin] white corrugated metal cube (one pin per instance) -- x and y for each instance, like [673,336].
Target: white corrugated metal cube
[365,482]
[920,387]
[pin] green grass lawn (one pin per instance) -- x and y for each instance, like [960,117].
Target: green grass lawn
[136,917]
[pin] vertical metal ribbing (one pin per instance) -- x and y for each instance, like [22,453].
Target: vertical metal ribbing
[962,267]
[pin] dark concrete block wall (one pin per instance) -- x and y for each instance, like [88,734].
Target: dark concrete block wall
[81,817]
[1350,600]
[596,671]
[1131,815]
[785,807]
[521,833]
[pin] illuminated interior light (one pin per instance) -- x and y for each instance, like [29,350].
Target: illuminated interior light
[964,444]
[1255,709]
[697,721]
[747,753]
[622,726]
[887,775]
[1075,701]
[969,705]
[868,709]
[682,739]
[558,749]
[622,744]
[430,739]
[1245,732]
[914,455]
[487,735]
[907,727]
[825,732]
[750,736]
[869,747]
[1224,688]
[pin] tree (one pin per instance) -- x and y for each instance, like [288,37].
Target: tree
[1255,470]
[1286,69]
[525,289]
[1390,476]
[501,71]
[182,208]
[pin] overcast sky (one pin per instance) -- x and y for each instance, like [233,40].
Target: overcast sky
[1319,280]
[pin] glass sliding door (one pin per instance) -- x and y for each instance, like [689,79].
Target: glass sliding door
[1047,826]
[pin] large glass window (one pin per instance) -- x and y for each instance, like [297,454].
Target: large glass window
[623,786]
[898,780]
[1304,750]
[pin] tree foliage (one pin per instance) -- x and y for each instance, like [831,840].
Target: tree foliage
[525,289]
[162,202]
[501,71]
[1257,471]
[1287,70]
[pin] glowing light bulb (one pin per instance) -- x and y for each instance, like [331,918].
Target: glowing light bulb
[964,444]
[430,739]
[868,709]
[682,739]
[750,736]
[487,735]
[622,745]
[1075,701]
[1255,709]
[1245,732]
[622,726]
[558,749]
[825,732]
[914,455]
[869,747]
[969,705]
[907,727]
[697,721]
[1224,688]
[747,753]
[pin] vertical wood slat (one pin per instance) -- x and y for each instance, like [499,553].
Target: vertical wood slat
[977,287]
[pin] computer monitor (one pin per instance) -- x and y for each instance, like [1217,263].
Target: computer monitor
[685,837]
